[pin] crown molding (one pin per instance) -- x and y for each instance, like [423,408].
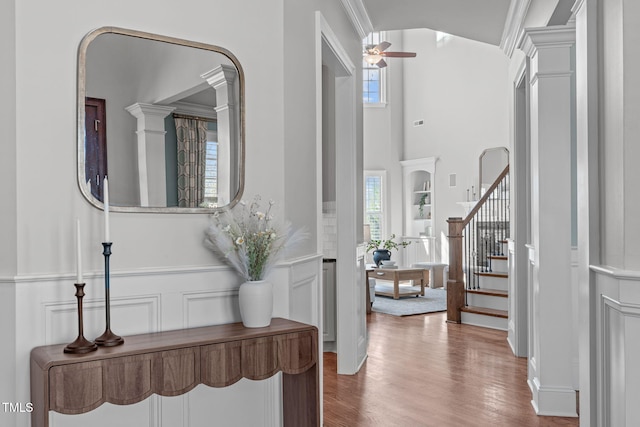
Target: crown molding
[514,25]
[578,4]
[358,16]
[544,37]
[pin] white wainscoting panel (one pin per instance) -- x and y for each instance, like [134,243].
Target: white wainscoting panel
[617,302]
[156,300]
[209,308]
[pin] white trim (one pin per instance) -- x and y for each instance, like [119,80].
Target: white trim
[558,401]
[514,25]
[333,43]
[374,104]
[576,7]
[155,271]
[385,198]
[191,109]
[357,13]
[350,307]
[616,273]
[534,39]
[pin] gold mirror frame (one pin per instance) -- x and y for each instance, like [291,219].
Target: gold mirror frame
[81,95]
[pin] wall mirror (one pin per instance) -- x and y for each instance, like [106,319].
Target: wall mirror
[163,119]
[492,163]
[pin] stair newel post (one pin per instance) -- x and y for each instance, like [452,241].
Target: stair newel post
[455,284]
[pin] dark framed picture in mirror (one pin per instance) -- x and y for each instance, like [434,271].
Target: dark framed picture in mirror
[163,118]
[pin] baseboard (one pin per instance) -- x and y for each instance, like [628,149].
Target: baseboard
[553,401]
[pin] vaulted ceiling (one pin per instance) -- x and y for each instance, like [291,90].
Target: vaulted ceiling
[481,20]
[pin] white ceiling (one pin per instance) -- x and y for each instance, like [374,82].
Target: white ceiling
[481,20]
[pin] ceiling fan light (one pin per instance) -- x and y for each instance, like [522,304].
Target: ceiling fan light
[372,59]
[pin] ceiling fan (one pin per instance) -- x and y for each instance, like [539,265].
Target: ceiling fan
[373,54]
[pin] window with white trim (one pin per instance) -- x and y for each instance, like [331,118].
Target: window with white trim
[373,78]
[211,169]
[374,202]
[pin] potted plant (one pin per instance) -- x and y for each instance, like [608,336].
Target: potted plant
[252,242]
[423,201]
[382,248]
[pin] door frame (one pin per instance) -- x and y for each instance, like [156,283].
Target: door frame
[351,341]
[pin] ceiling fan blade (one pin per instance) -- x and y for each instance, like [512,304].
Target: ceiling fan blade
[382,46]
[381,63]
[398,54]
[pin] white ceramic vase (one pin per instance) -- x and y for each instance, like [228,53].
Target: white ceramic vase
[256,303]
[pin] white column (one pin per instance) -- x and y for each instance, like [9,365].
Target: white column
[552,357]
[223,79]
[588,199]
[152,176]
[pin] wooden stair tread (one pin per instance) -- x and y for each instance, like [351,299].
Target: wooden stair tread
[502,257]
[492,274]
[492,292]
[486,311]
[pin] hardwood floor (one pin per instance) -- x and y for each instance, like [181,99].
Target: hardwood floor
[422,371]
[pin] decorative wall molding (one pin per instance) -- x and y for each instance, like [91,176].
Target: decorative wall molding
[357,13]
[157,299]
[155,271]
[210,307]
[616,273]
[143,313]
[577,5]
[514,25]
[554,400]
[534,39]
[617,316]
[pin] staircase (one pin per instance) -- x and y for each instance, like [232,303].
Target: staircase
[478,265]
[488,304]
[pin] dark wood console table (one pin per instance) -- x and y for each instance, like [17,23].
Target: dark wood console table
[173,362]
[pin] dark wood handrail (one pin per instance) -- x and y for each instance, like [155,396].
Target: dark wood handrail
[484,198]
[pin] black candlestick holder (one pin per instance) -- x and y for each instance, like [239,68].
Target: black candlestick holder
[81,344]
[108,338]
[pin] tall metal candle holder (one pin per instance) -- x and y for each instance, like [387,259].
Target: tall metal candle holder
[81,344]
[108,338]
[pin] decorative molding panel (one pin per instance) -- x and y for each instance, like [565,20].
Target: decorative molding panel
[210,308]
[359,17]
[535,39]
[157,299]
[514,25]
[617,302]
[61,318]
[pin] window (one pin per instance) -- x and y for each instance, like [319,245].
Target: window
[211,170]
[373,78]
[441,38]
[374,202]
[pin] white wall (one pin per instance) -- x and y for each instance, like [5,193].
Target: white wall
[298,84]
[459,88]
[162,276]
[383,136]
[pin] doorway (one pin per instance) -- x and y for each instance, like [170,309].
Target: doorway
[345,169]
[519,288]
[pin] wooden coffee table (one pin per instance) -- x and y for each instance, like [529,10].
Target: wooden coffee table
[397,275]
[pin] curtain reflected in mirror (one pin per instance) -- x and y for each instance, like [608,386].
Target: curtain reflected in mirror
[192,154]
[163,118]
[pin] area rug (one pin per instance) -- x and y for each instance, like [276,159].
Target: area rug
[433,300]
